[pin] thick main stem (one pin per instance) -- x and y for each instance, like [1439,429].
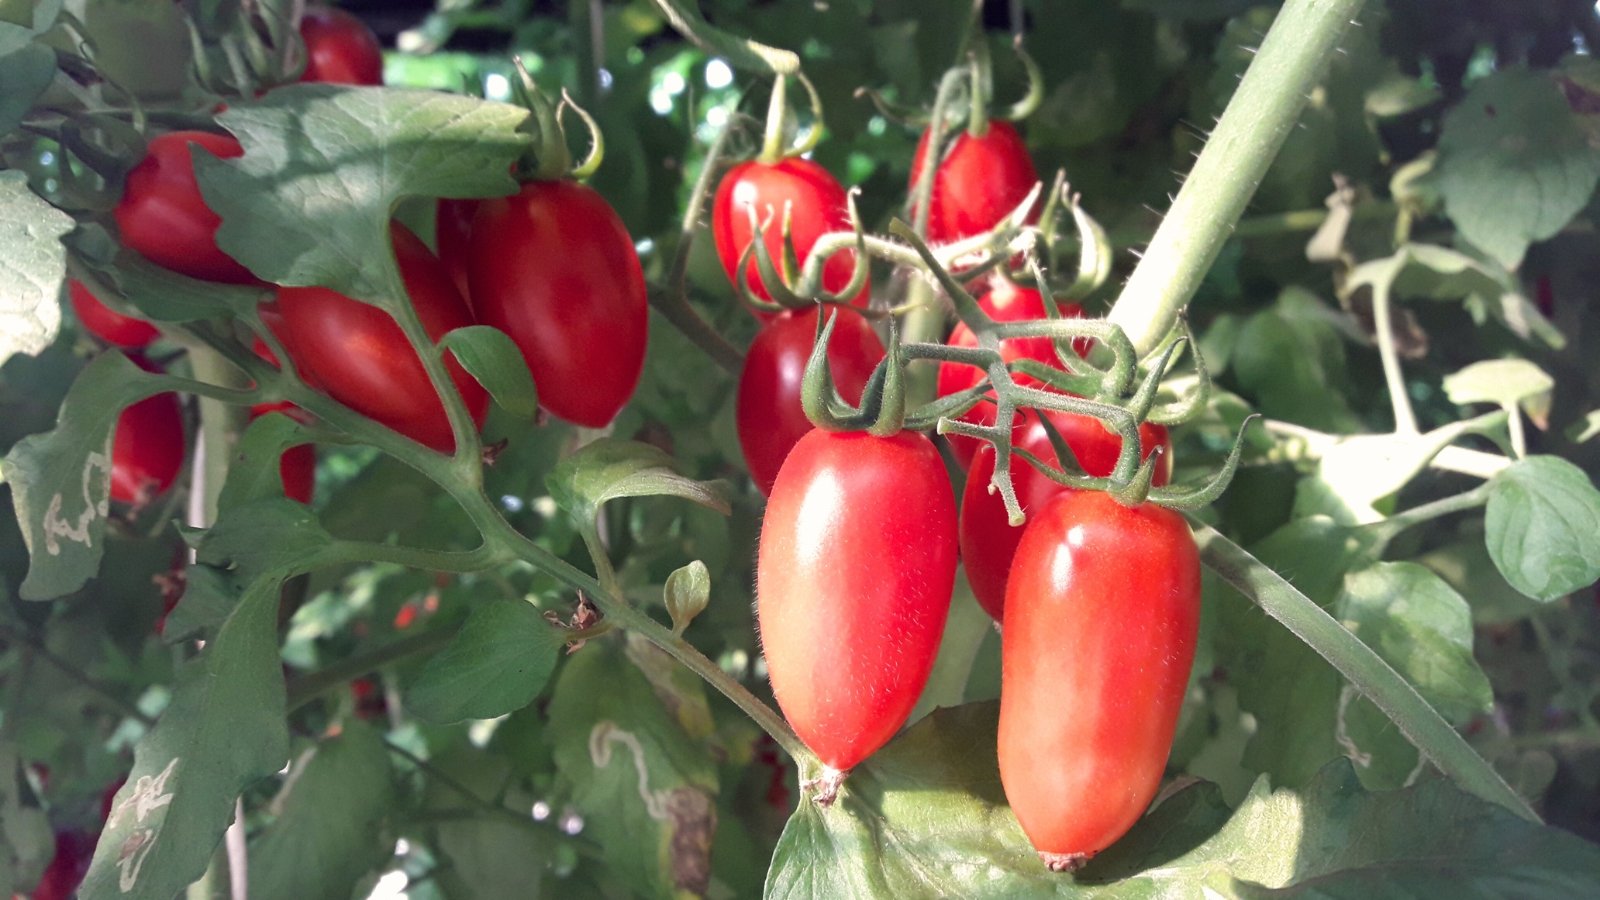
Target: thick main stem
[1258,119]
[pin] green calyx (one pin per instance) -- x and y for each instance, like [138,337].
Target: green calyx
[549,158]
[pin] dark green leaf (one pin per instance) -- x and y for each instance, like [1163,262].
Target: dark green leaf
[270,536]
[254,473]
[497,663]
[163,295]
[26,843]
[1544,527]
[609,469]
[223,730]
[209,596]
[310,201]
[32,264]
[491,357]
[25,74]
[1286,358]
[327,833]
[1514,165]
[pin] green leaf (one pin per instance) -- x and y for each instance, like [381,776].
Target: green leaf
[1439,273]
[686,594]
[61,480]
[327,833]
[25,74]
[1585,428]
[254,472]
[1465,565]
[1505,382]
[1514,165]
[26,843]
[498,662]
[22,20]
[32,265]
[1358,472]
[1398,95]
[224,729]
[210,595]
[926,816]
[309,203]
[1543,527]
[490,356]
[644,787]
[1287,357]
[1423,628]
[271,536]
[609,469]
[162,295]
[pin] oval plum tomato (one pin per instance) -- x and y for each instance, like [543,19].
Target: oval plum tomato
[453,233]
[770,418]
[340,48]
[297,467]
[1005,302]
[853,579]
[148,448]
[106,323]
[163,216]
[988,540]
[815,204]
[1102,614]
[978,182]
[553,267]
[360,357]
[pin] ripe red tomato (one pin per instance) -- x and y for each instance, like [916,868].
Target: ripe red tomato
[298,465]
[1005,302]
[359,355]
[453,227]
[769,415]
[163,216]
[147,450]
[106,323]
[978,183]
[815,203]
[988,540]
[1101,617]
[853,580]
[340,48]
[74,850]
[553,267]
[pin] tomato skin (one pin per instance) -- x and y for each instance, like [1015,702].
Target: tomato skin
[769,415]
[357,353]
[298,465]
[453,227]
[147,450]
[988,540]
[106,323]
[553,267]
[817,205]
[163,216]
[1101,617]
[981,181]
[1005,302]
[853,579]
[340,48]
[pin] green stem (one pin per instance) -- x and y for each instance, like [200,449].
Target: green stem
[1364,669]
[220,423]
[742,53]
[1258,119]
[1389,528]
[1405,421]
[777,115]
[675,308]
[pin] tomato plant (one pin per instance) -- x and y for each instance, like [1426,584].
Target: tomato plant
[856,566]
[147,449]
[769,414]
[454,239]
[162,215]
[553,267]
[359,355]
[107,324]
[979,180]
[1103,606]
[340,48]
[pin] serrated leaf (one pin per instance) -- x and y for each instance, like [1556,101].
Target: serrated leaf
[224,729]
[491,357]
[1423,628]
[1514,165]
[1506,382]
[309,203]
[644,787]
[609,469]
[271,536]
[327,833]
[32,265]
[926,816]
[61,480]
[1543,527]
[498,662]
[25,73]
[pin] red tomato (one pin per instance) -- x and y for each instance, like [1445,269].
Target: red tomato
[163,217]
[1005,302]
[815,203]
[359,355]
[61,878]
[553,267]
[1102,614]
[340,48]
[978,183]
[106,323]
[769,415]
[853,580]
[453,224]
[148,448]
[988,540]
[298,465]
